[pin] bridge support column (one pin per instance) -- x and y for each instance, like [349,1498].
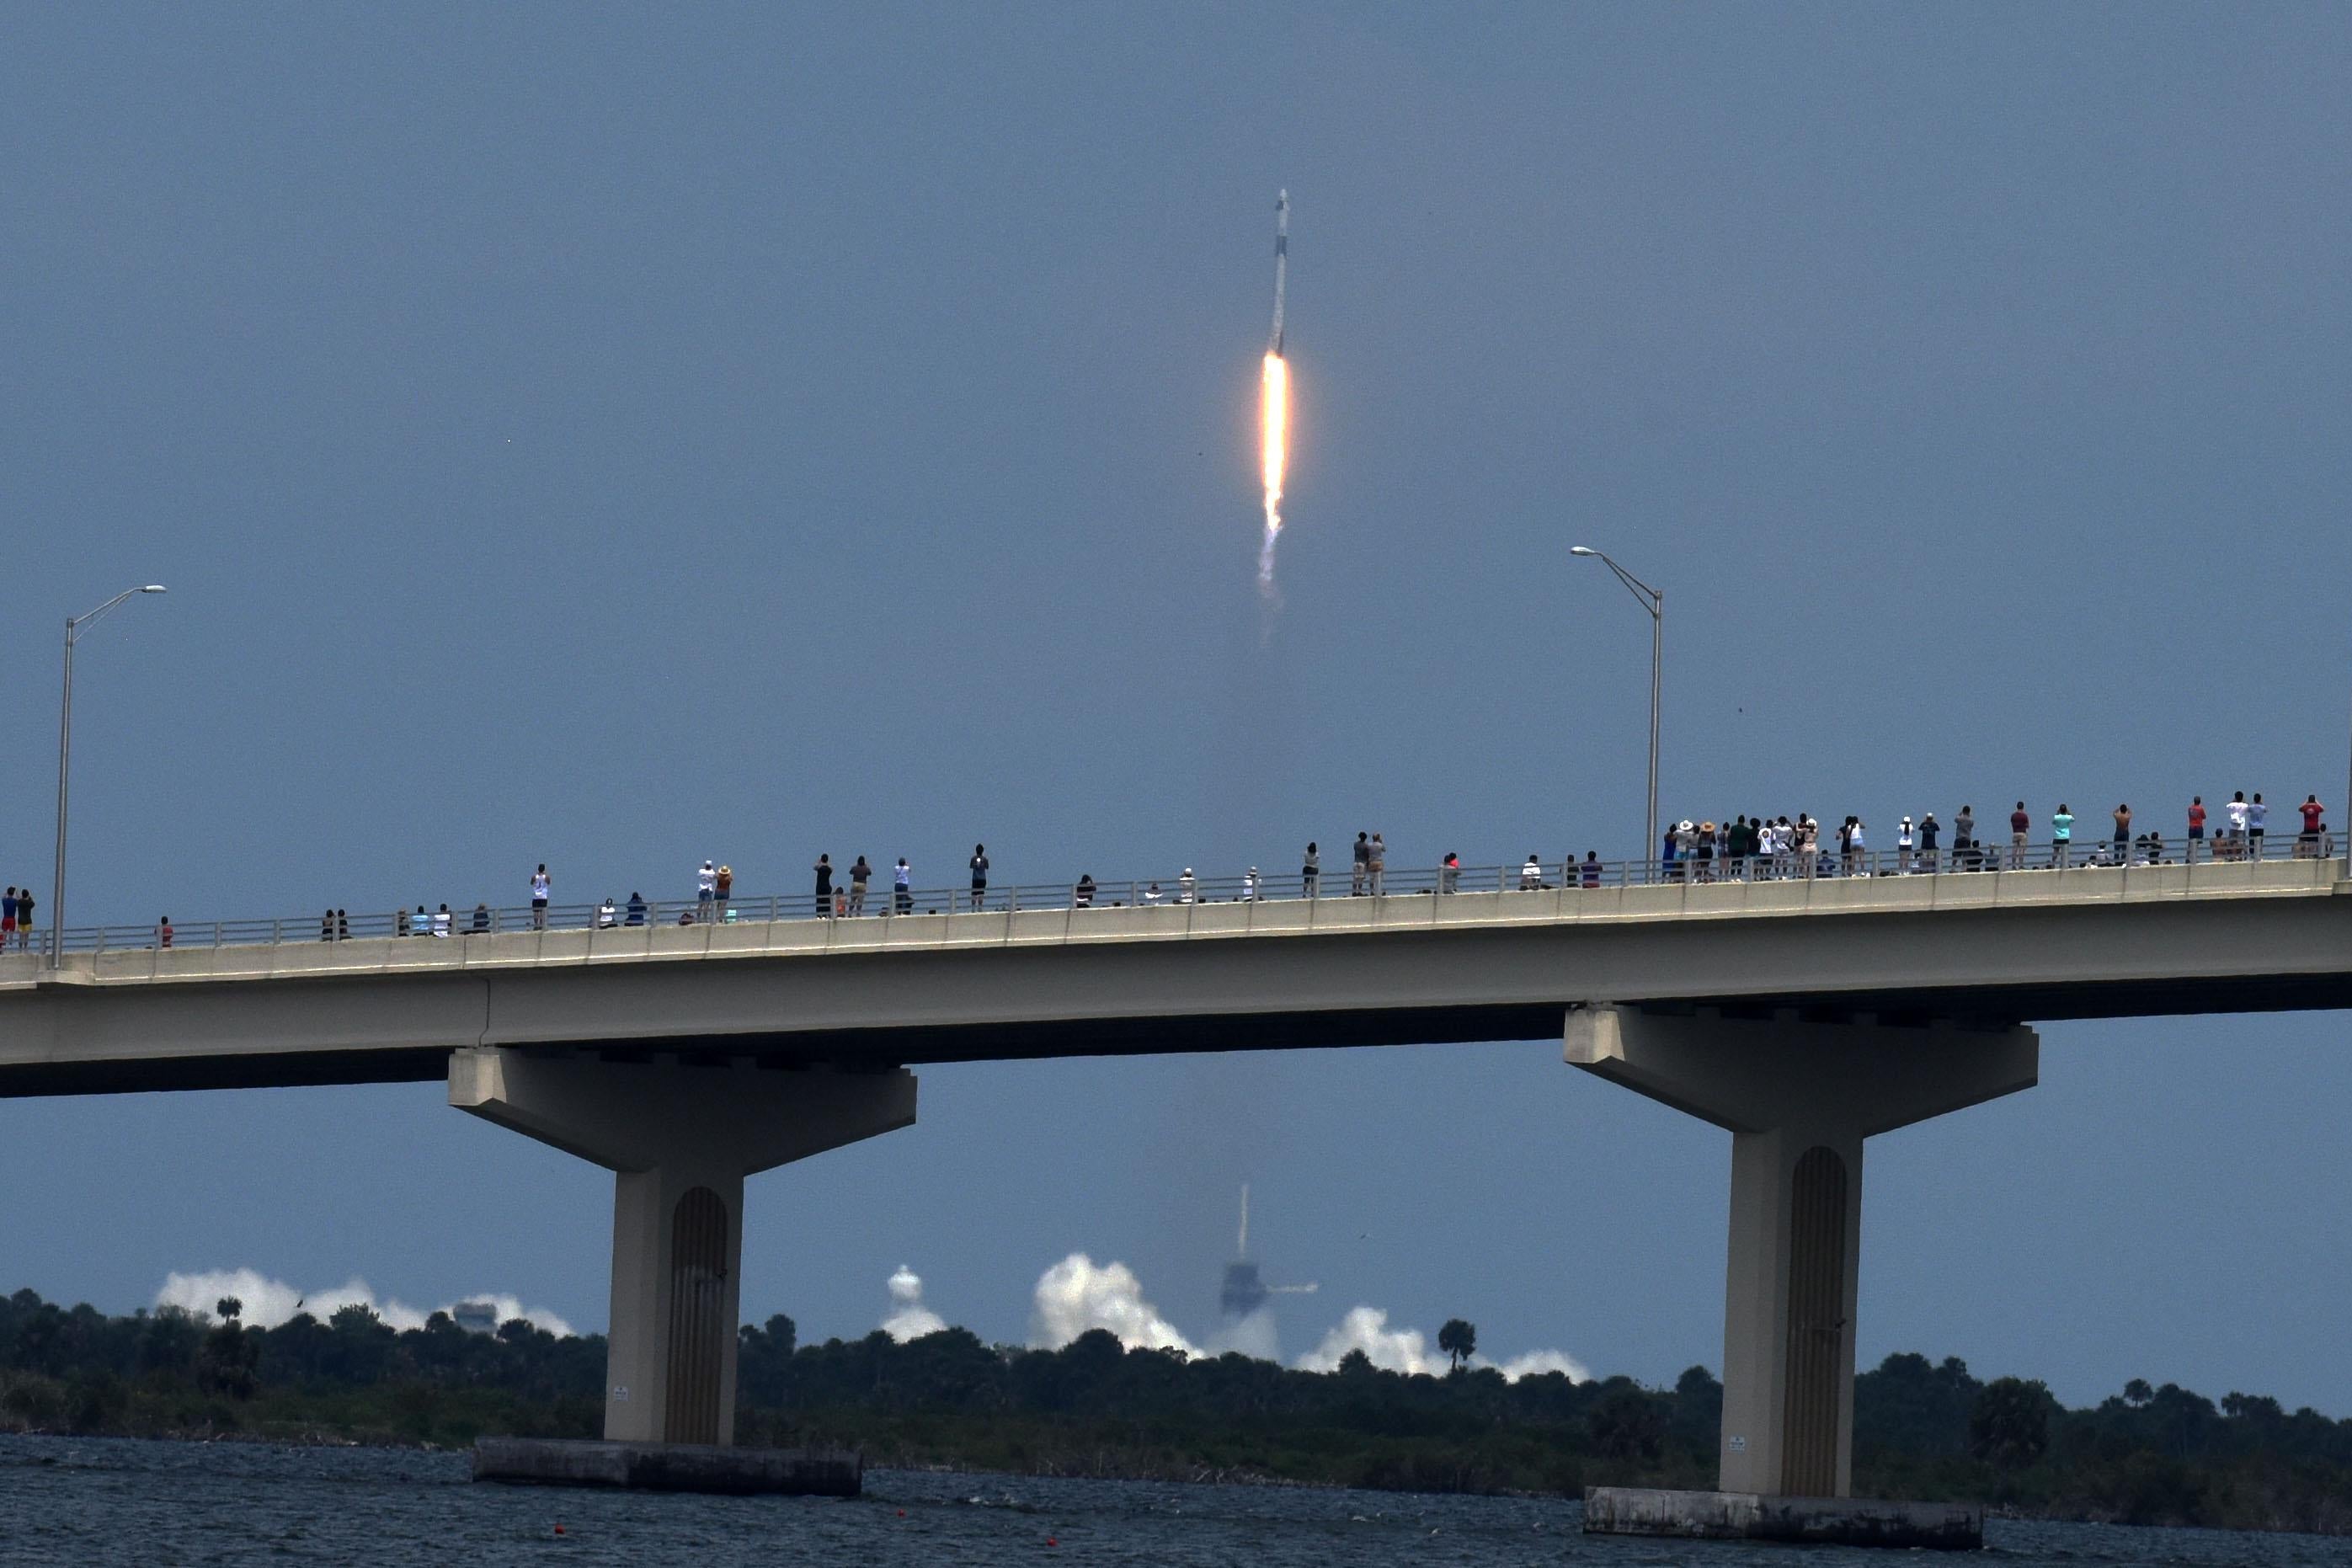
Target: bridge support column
[1798,1099]
[679,1139]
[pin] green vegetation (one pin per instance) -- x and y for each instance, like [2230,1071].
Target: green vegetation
[2149,1456]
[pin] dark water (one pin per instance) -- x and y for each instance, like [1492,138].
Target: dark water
[77,1501]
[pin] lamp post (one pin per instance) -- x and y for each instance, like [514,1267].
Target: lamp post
[75,626]
[1655,603]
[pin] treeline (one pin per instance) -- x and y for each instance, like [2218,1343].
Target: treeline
[2147,1456]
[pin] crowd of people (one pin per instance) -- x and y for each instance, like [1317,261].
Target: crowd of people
[1742,846]
[1746,846]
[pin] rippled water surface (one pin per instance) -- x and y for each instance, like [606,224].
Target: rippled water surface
[78,1500]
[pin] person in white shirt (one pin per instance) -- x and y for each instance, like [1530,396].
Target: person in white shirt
[1531,875]
[441,921]
[706,884]
[539,890]
[607,915]
[1185,886]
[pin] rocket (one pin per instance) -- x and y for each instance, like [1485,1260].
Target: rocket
[1281,263]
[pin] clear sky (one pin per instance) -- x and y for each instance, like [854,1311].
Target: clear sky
[618,437]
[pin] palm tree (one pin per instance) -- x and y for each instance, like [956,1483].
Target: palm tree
[1459,1340]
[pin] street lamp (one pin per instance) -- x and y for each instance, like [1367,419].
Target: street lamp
[74,628]
[1655,603]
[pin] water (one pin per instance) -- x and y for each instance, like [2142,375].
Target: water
[83,1501]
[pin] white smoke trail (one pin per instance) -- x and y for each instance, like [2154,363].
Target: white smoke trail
[1076,1295]
[1366,1329]
[269,1302]
[909,1319]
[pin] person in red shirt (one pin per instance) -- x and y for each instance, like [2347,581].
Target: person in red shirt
[2195,825]
[2308,844]
[2020,825]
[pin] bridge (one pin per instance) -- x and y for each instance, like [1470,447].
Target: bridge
[1804,1013]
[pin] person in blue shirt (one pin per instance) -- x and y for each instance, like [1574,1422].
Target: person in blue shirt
[637,916]
[2062,836]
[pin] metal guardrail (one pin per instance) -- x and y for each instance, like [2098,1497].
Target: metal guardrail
[882,899]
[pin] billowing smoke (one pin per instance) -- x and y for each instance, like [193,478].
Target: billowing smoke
[909,1319]
[269,1302]
[1251,1334]
[1075,1296]
[1366,1329]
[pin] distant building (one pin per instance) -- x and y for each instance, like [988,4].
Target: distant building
[475,1317]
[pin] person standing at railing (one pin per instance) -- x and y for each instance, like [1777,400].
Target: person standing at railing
[441,923]
[637,916]
[1856,850]
[1083,895]
[1249,886]
[1928,828]
[2195,825]
[2307,843]
[327,926]
[1361,868]
[824,886]
[1376,868]
[1530,874]
[2062,837]
[2123,832]
[706,888]
[902,895]
[979,875]
[343,925]
[540,886]
[8,917]
[24,918]
[163,931]
[1964,839]
[2020,825]
[1310,869]
[400,921]
[482,917]
[1186,887]
[1903,844]
[2235,815]
[1449,872]
[1588,873]
[607,916]
[2257,814]
[859,874]
[725,886]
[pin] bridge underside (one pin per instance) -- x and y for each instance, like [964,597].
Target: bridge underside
[878,1049]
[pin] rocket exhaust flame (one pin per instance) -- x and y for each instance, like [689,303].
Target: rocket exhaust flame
[1273,405]
[1274,417]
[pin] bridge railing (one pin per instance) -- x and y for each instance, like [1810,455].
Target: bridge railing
[882,901]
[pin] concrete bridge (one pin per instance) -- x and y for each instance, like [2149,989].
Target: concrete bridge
[1803,1015]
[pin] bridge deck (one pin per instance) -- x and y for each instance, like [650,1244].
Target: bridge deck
[887,991]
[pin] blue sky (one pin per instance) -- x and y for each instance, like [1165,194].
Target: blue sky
[614,438]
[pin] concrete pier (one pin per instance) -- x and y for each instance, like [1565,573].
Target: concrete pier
[1748,1516]
[679,1139]
[670,1466]
[1798,1098]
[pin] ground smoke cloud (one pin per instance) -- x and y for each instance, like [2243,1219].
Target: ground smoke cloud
[909,1319]
[1075,1296]
[269,1303]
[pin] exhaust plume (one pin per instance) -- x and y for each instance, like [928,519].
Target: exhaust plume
[909,1319]
[1076,1295]
[270,1302]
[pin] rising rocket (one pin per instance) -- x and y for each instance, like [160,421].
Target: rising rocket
[1281,263]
